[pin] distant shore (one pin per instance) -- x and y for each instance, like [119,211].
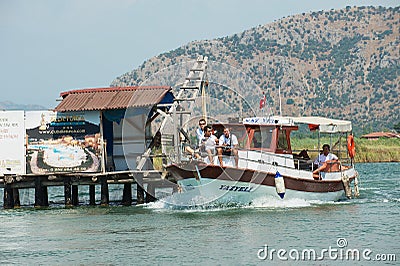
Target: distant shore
[380,150]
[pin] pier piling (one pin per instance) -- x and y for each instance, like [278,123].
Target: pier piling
[17,202]
[150,193]
[8,197]
[92,195]
[75,198]
[67,191]
[105,199]
[139,189]
[127,195]
[41,197]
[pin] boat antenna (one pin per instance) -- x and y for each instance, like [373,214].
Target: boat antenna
[280,100]
[204,99]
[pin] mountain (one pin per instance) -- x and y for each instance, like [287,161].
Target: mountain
[339,63]
[7,105]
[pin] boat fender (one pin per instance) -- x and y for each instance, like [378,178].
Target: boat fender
[346,185]
[280,185]
[356,190]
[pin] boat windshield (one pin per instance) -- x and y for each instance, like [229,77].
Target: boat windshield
[282,140]
[262,137]
[238,130]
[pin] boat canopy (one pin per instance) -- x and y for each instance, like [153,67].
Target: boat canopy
[324,125]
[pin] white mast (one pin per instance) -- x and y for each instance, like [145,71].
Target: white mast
[280,101]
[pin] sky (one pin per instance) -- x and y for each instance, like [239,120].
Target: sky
[51,46]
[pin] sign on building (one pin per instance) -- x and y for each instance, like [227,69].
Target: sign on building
[63,142]
[12,142]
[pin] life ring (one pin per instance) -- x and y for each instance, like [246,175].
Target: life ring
[351,146]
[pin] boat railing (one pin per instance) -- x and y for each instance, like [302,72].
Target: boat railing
[282,157]
[342,155]
[300,164]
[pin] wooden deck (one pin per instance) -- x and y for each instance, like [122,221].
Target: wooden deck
[71,182]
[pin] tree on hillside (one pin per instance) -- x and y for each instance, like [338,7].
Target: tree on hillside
[397,127]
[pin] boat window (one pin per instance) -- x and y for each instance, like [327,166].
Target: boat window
[282,140]
[262,137]
[241,135]
[239,131]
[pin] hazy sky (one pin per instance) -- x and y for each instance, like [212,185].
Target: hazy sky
[49,46]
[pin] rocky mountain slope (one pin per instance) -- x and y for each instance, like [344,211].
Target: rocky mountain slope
[338,63]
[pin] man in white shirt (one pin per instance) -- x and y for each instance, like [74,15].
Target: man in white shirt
[208,143]
[325,156]
[228,145]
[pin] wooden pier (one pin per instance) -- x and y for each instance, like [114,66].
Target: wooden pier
[72,181]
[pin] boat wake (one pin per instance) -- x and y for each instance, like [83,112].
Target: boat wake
[198,203]
[271,202]
[176,202]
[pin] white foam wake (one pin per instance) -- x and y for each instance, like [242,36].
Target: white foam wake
[271,202]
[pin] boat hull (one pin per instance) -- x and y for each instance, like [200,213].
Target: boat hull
[206,184]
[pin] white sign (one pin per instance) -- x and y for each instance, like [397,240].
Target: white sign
[12,142]
[39,119]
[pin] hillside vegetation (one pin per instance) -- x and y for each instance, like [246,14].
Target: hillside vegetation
[339,63]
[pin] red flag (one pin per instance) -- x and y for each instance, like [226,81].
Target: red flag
[263,102]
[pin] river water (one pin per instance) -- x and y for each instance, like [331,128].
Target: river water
[352,232]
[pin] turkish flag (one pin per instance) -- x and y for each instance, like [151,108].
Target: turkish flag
[262,102]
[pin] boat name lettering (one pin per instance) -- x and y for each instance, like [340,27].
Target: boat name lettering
[235,188]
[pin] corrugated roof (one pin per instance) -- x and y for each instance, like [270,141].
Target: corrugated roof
[111,98]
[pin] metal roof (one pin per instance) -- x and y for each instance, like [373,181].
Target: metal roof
[111,98]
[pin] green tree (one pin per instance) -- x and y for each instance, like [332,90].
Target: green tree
[397,127]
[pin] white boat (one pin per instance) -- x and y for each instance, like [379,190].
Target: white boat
[267,166]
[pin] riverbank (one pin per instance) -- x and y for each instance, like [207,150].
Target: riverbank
[367,151]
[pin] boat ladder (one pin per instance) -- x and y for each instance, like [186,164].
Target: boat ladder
[180,111]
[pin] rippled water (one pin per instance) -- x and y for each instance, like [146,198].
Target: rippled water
[151,234]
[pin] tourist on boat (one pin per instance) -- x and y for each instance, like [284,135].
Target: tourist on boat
[326,161]
[208,143]
[325,155]
[199,136]
[200,130]
[227,146]
[303,160]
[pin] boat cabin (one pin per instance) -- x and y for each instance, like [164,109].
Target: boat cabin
[266,140]
[258,135]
